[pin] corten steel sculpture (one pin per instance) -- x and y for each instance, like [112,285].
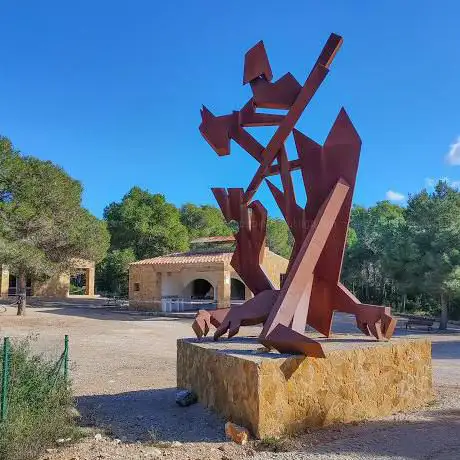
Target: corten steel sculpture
[311,290]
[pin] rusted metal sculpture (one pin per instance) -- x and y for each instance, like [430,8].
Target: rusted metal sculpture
[311,290]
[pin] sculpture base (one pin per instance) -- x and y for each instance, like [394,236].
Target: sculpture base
[274,394]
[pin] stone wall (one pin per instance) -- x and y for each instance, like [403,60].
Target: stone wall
[144,287]
[4,283]
[273,394]
[148,283]
[56,286]
[274,265]
[224,288]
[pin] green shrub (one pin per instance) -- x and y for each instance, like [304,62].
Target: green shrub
[39,405]
[272,444]
[77,290]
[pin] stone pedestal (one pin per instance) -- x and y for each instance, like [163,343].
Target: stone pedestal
[273,394]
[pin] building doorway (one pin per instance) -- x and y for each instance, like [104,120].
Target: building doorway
[237,290]
[13,285]
[78,283]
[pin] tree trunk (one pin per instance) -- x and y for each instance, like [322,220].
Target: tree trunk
[22,295]
[404,303]
[444,314]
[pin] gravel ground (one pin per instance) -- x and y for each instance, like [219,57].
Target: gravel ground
[123,369]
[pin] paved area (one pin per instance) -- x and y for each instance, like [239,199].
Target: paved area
[123,369]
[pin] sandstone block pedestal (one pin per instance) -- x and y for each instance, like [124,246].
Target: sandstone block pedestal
[274,394]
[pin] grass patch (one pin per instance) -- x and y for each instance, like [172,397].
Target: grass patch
[39,405]
[273,444]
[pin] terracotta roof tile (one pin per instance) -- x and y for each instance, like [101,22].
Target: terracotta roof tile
[187,258]
[214,239]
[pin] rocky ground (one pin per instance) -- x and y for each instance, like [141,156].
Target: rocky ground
[428,434]
[123,369]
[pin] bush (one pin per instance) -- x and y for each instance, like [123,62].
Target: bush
[39,405]
[77,290]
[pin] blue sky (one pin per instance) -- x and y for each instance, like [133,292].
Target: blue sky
[111,90]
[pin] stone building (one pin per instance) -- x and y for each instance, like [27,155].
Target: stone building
[203,275]
[80,281]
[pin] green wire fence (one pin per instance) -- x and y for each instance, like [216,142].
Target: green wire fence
[62,367]
[5,378]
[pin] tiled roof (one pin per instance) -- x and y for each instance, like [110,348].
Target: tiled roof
[187,258]
[214,239]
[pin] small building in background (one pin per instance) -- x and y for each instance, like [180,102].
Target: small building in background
[200,278]
[78,282]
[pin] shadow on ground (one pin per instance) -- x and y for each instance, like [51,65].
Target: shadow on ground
[432,435]
[342,323]
[151,415]
[103,313]
[448,349]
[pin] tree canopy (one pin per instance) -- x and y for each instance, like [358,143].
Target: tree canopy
[433,221]
[279,238]
[112,272]
[408,257]
[202,221]
[43,225]
[147,224]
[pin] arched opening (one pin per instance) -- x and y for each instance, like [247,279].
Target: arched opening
[202,290]
[237,290]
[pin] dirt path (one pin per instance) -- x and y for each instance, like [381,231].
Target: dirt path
[124,376]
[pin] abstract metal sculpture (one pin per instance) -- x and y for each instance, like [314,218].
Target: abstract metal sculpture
[311,290]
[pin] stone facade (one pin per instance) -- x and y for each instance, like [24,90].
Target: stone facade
[274,265]
[151,280]
[273,394]
[55,287]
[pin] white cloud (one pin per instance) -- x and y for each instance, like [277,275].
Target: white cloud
[455,184]
[395,196]
[453,157]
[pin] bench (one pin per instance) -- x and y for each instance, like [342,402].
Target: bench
[113,301]
[428,323]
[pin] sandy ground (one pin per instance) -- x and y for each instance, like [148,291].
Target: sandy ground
[123,371]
